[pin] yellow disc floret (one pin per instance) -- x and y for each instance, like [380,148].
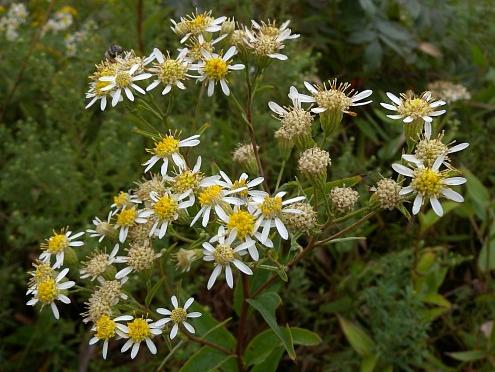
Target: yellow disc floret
[240,184]
[47,291]
[170,71]
[127,217]
[166,208]
[216,68]
[223,254]
[210,195]
[123,79]
[121,200]
[166,146]
[415,107]
[105,328]
[57,243]
[198,23]
[138,330]
[428,182]
[185,181]
[243,222]
[178,315]
[271,207]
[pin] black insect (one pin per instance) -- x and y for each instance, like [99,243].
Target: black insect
[113,52]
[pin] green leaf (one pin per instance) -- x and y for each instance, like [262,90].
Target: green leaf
[270,363]
[207,359]
[437,299]
[359,340]
[477,193]
[265,342]
[152,292]
[266,304]
[368,364]
[486,258]
[468,356]
[204,325]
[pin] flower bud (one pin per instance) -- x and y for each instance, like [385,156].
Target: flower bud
[343,199]
[245,157]
[304,222]
[387,193]
[313,164]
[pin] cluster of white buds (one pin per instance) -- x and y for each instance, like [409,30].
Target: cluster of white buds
[449,91]
[60,21]
[305,222]
[313,164]
[386,192]
[343,199]
[245,157]
[10,22]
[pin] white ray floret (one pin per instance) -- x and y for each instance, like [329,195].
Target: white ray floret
[178,316]
[136,331]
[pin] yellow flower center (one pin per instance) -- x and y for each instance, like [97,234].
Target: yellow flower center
[429,150]
[43,271]
[99,86]
[123,79]
[166,146]
[184,181]
[427,182]
[138,330]
[127,217]
[166,208]
[170,71]
[199,23]
[216,68]
[178,315]
[105,328]
[415,107]
[239,184]
[121,200]
[270,30]
[333,99]
[57,243]
[195,48]
[97,264]
[242,221]
[271,207]
[210,195]
[223,254]
[47,291]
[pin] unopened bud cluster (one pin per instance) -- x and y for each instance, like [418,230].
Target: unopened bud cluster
[387,193]
[313,163]
[305,222]
[343,199]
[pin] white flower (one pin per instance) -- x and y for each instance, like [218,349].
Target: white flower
[196,24]
[57,244]
[136,331]
[178,316]
[334,97]
[410,107]
[223,254]
[127,218]
[243,222]
[96,93]
[242,187]
[429,183]
[216,198]
[188,181]
[267,39]
[98,262]
[197,45]
[427,150]
[164,209]
[169,71]
[102,228]
[124,200]
[106,328]
[269,211]
[124,80]
[49,290]
[215,68]
[168,147]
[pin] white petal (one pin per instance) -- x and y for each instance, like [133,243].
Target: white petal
[406,190]
[174,331]
[174,301]
[437,207]
[401,169]
[394,98]
[388,106]
[151,345]
[213,277]
[55,312]
[242,267]
[454,181]
[188,303]
[189,327]
[452,195]
[418,201]
[459,147]
[282,230]
[194,314]
[228,276]
[225,87]
[135,350]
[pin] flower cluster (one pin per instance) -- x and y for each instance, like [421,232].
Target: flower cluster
[10,22]
[61,20]
[449,91]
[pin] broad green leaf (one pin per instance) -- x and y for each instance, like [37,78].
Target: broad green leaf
[436,299]
[266,304]
[368,364]
[468,356]
[270,363]
[477,193]
[359,340]
[220,335]
[341,305]
[207,359]
[263,343]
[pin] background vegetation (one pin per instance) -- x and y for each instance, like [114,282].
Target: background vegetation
[418,296]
